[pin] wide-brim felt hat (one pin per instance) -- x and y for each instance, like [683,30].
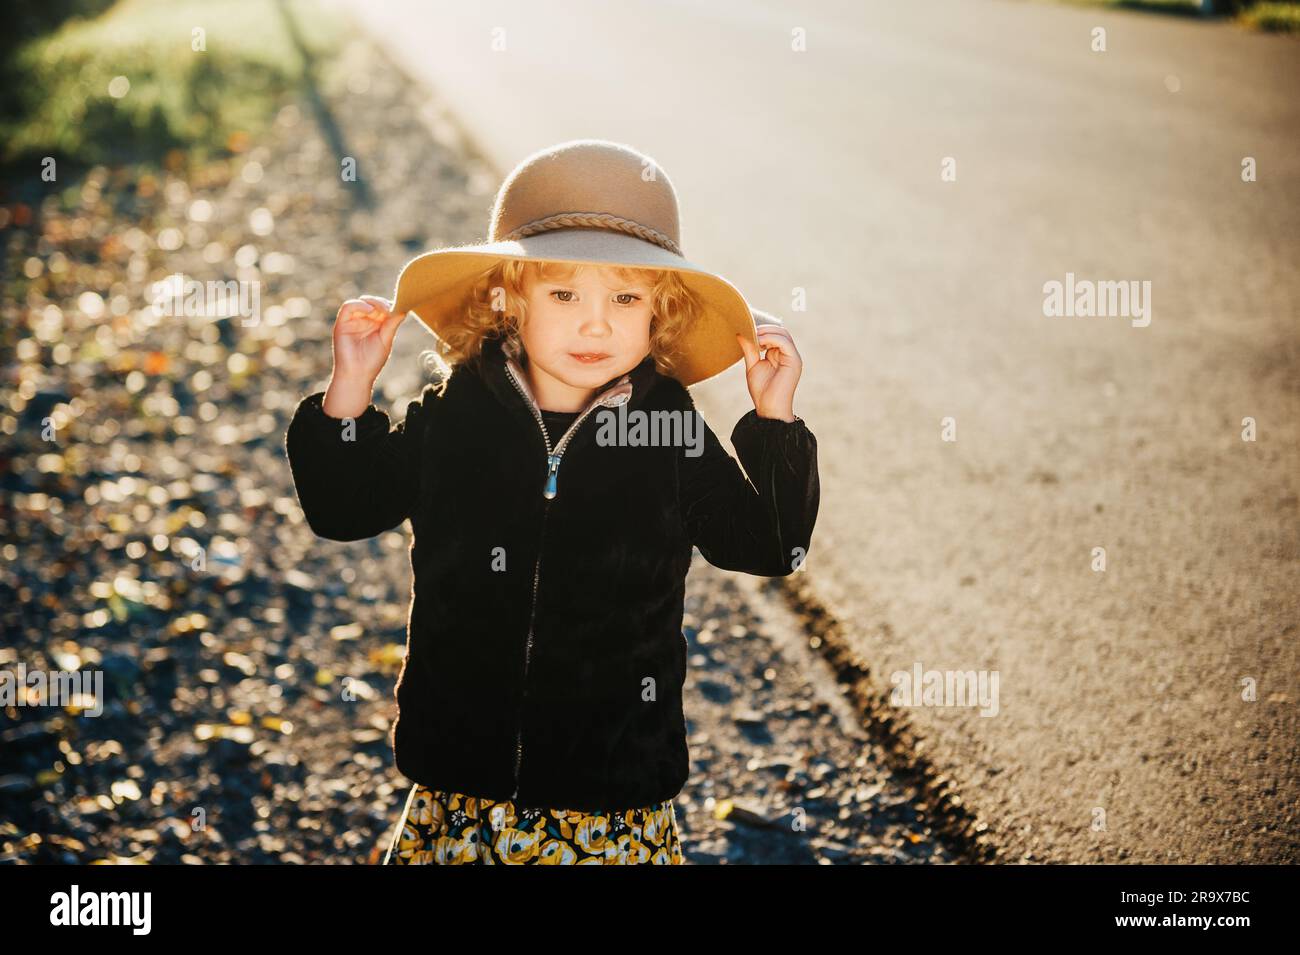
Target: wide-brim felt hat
[591,202]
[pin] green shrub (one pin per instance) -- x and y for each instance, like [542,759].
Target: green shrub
[61,105]
[1277,17]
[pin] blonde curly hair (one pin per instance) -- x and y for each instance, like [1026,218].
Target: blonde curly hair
[496,306]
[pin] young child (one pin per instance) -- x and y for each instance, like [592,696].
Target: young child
[556,484]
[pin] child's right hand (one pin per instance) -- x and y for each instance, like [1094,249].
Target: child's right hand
[363,338]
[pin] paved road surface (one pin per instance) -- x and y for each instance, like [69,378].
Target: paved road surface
[1121,692]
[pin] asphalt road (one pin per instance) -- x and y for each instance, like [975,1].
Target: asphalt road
[1147,711]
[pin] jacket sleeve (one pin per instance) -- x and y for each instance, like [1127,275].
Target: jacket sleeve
[354,485]
[762,528]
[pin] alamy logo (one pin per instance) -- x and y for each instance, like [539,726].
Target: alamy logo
[53,688]
[102,908]
[1124,299]
[179,295]
[642,428]
[917,687]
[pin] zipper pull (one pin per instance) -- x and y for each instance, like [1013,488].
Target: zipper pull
[554,461]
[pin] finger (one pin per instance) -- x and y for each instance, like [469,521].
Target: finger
[768,331]
[357,308]
[782,345]
[389,328]
[765,337]
[376,302]
[354,320]
[750,352]
[781,335]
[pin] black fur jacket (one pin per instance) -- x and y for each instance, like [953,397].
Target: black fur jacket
[545,656]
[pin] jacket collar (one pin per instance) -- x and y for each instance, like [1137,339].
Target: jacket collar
[502,371]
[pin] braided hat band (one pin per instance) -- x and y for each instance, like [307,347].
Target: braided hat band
[595,220]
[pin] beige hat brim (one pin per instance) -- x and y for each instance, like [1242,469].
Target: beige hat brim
[435,283]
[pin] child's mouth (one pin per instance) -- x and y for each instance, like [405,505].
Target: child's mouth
[589,358]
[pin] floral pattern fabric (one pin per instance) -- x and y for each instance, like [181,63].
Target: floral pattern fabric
[449,828]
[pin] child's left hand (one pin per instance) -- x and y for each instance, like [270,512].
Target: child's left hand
[772,378]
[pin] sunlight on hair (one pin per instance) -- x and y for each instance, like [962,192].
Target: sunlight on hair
[673,305]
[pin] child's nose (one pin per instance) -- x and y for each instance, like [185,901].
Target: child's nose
[596,321]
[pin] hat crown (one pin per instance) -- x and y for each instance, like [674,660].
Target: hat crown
[588,183]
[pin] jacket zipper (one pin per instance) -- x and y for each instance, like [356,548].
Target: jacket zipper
[553,456]
[623,391]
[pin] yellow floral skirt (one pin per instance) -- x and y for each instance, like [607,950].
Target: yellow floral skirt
[447,828]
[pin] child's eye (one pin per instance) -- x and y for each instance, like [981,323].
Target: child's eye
[629,295]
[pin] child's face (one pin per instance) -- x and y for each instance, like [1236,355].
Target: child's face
[591,310]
